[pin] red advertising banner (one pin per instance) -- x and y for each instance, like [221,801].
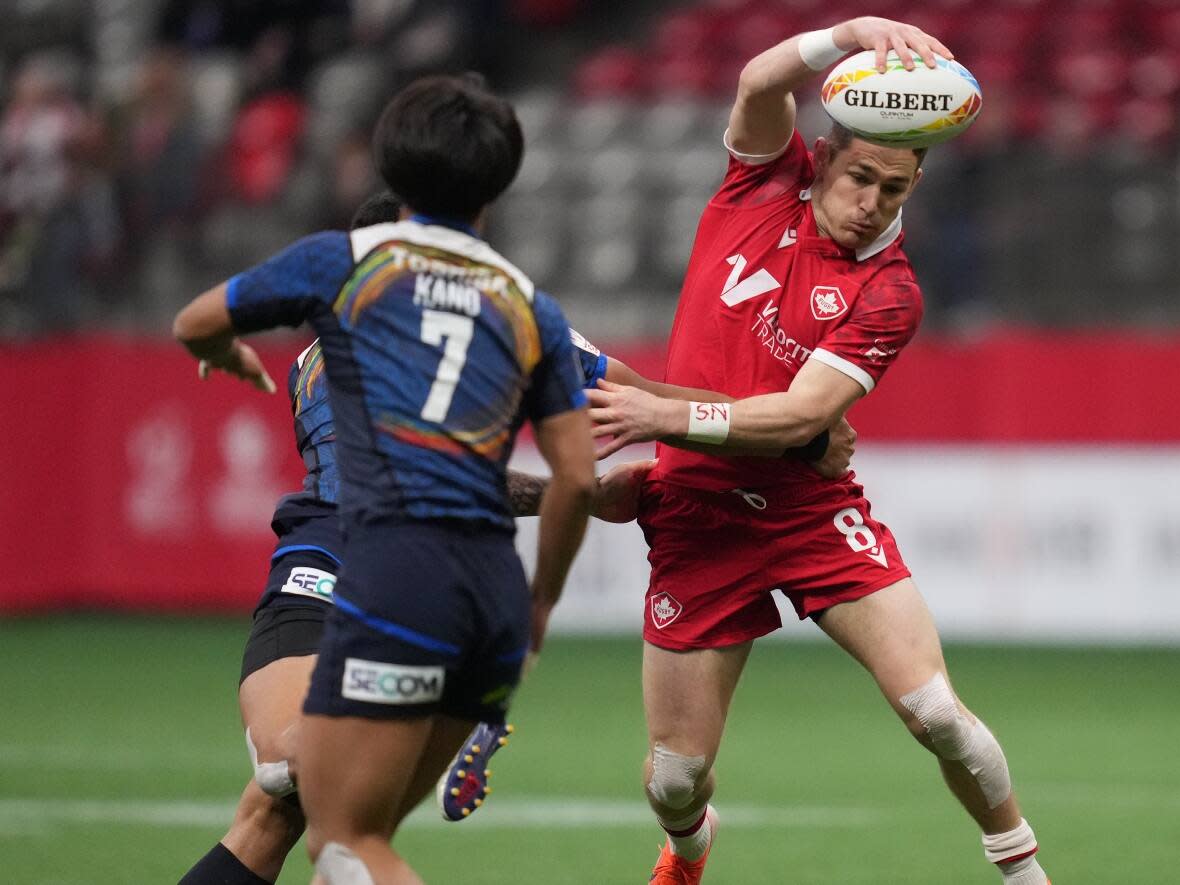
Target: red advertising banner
[129,484]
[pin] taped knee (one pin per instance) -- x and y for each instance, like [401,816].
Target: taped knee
[339,866]
[957,739]
[674,777]
[273,778]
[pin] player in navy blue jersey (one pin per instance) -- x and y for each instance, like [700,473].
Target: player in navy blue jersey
[289,618]
[435,349]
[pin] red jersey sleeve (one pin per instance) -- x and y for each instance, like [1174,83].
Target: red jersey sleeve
[883,320]
[751,180]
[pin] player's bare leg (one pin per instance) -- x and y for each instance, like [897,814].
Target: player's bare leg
[355,801]
[892,634]
[446,736]
[265,827]
[686,697]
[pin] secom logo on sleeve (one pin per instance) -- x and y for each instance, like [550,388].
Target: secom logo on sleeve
[379,683]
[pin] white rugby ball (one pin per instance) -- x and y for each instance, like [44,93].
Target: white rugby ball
[900,108]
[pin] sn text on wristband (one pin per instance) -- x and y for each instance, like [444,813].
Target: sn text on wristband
[818,49]
[708,422]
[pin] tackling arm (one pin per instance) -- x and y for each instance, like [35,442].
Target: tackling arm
[619,372]
[812,451]
[766,424]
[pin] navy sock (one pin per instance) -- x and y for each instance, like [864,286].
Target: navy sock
[220,867]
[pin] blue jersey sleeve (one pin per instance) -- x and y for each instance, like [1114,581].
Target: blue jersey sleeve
[557,382]
[591,361]
[284,290]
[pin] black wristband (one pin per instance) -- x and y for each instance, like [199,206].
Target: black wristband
[813,451]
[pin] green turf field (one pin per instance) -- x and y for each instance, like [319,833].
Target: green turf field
[121,756]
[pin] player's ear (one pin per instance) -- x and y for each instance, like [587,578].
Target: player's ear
[822,155]
[914,183]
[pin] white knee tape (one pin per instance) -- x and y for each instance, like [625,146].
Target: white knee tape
[274,778]
[339,866]
[674,777]
[956,738]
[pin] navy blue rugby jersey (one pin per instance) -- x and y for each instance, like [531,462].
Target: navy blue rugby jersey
[315,436]
[435,349]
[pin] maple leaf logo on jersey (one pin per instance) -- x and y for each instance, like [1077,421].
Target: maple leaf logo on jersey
[664,610]
[827,303]
[879,351]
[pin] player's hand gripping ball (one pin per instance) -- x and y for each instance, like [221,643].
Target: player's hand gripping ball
[900,108]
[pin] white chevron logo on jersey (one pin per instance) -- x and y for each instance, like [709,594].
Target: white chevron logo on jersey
[758,283]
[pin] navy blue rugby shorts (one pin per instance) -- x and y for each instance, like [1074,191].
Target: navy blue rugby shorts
[429,618]
[289,619]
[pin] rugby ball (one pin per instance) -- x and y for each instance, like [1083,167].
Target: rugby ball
[900,108]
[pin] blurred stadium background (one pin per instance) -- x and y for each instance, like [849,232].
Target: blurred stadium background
[1025,450]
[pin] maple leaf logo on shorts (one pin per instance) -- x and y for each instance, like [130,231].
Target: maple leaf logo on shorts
[664,610]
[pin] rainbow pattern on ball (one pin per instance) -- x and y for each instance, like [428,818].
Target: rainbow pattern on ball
[864,68]
[956,117]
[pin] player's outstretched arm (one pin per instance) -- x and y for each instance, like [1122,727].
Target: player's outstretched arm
[763,115]
[616,494]
[205,327]
[565,443]
[817,398]
[830,455]
[619,372]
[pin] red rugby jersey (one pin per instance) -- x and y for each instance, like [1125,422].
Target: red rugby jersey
[764,292]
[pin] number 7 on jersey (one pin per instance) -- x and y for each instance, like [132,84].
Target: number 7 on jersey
[457,330]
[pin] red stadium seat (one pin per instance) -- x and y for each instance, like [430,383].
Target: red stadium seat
[1160,26]
[1156,74]
[692,32]
[1148,122]
[1087,27]
[616,71]
[1095,72]
[996,30]
[683,77]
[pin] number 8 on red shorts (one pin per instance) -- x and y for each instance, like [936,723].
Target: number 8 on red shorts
[716,556]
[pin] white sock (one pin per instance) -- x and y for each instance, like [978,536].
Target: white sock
[1021,845]
[693,834]
[1023,872]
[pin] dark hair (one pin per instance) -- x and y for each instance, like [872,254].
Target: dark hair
[378,208]
[446,146]
[841,137]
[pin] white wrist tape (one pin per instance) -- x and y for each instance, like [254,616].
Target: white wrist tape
[818,49]
[708,423]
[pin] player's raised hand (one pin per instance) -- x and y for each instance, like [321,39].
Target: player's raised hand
[241,361]
[838,458]
[628,414]
[617,499]
[882,35]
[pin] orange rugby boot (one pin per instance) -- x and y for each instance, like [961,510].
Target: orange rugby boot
[672,869]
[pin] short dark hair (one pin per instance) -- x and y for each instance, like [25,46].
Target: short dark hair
[446,146]
[840,137]
[377,209]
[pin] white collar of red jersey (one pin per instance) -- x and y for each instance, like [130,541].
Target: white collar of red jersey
[882,242]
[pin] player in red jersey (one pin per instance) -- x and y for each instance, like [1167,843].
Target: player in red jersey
[797,299]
